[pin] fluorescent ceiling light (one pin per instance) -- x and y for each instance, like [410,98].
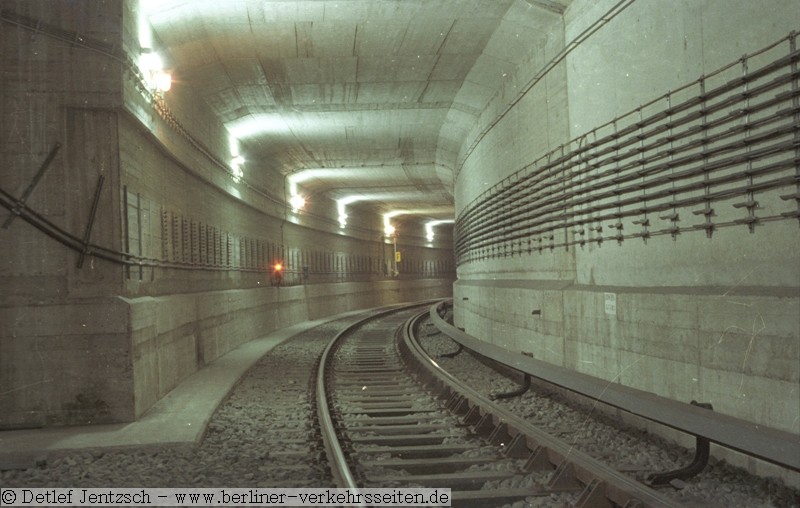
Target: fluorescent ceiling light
[298,202]
[254,125]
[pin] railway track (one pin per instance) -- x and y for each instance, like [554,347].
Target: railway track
[390,432]
[390,417]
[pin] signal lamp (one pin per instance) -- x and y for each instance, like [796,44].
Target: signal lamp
[277,274]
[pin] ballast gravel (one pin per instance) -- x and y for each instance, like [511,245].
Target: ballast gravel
[631,450]
[262,435]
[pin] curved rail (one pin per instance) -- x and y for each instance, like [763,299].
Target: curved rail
[340,469]
[772,445]
[571,468]
[506,437]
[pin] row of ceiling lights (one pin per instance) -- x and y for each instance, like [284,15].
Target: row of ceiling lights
[159,81]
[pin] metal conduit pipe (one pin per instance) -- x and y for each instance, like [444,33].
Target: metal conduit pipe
[472,256]
[733,192]
[508,194]
[549,206]
[534,208]
[541,218]
[549,203]
[577,187]
[76,244]
[784,182]
[511,194]
[703,98]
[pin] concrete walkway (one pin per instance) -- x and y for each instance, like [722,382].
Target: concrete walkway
[180,418]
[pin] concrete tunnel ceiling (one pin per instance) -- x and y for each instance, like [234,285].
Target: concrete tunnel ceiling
[372,98]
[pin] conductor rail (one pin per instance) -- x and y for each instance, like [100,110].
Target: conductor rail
[768,444]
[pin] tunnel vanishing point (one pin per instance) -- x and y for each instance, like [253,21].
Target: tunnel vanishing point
[609,186]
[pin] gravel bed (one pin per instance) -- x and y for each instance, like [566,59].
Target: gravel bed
[385,475]
[263,435]
[347,401]
[631,450]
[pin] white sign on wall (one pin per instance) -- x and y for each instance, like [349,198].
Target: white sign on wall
[611,303]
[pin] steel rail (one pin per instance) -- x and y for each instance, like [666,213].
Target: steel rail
[340,469]
[597,479]
[337,459]
[771,445]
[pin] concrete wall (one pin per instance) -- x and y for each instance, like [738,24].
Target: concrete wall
[712,318]
[524,43]
[102,342]
[52,313]
[65,362]
[173,336]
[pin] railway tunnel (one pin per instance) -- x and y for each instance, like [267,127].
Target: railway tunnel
[610,187]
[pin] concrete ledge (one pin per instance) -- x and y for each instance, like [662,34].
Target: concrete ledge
[179,418]
[110,360]
[739,354]
[773,445]
[175,335]
[548,284]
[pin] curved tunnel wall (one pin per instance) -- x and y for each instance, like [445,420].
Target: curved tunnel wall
[643,236]
[177,267]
